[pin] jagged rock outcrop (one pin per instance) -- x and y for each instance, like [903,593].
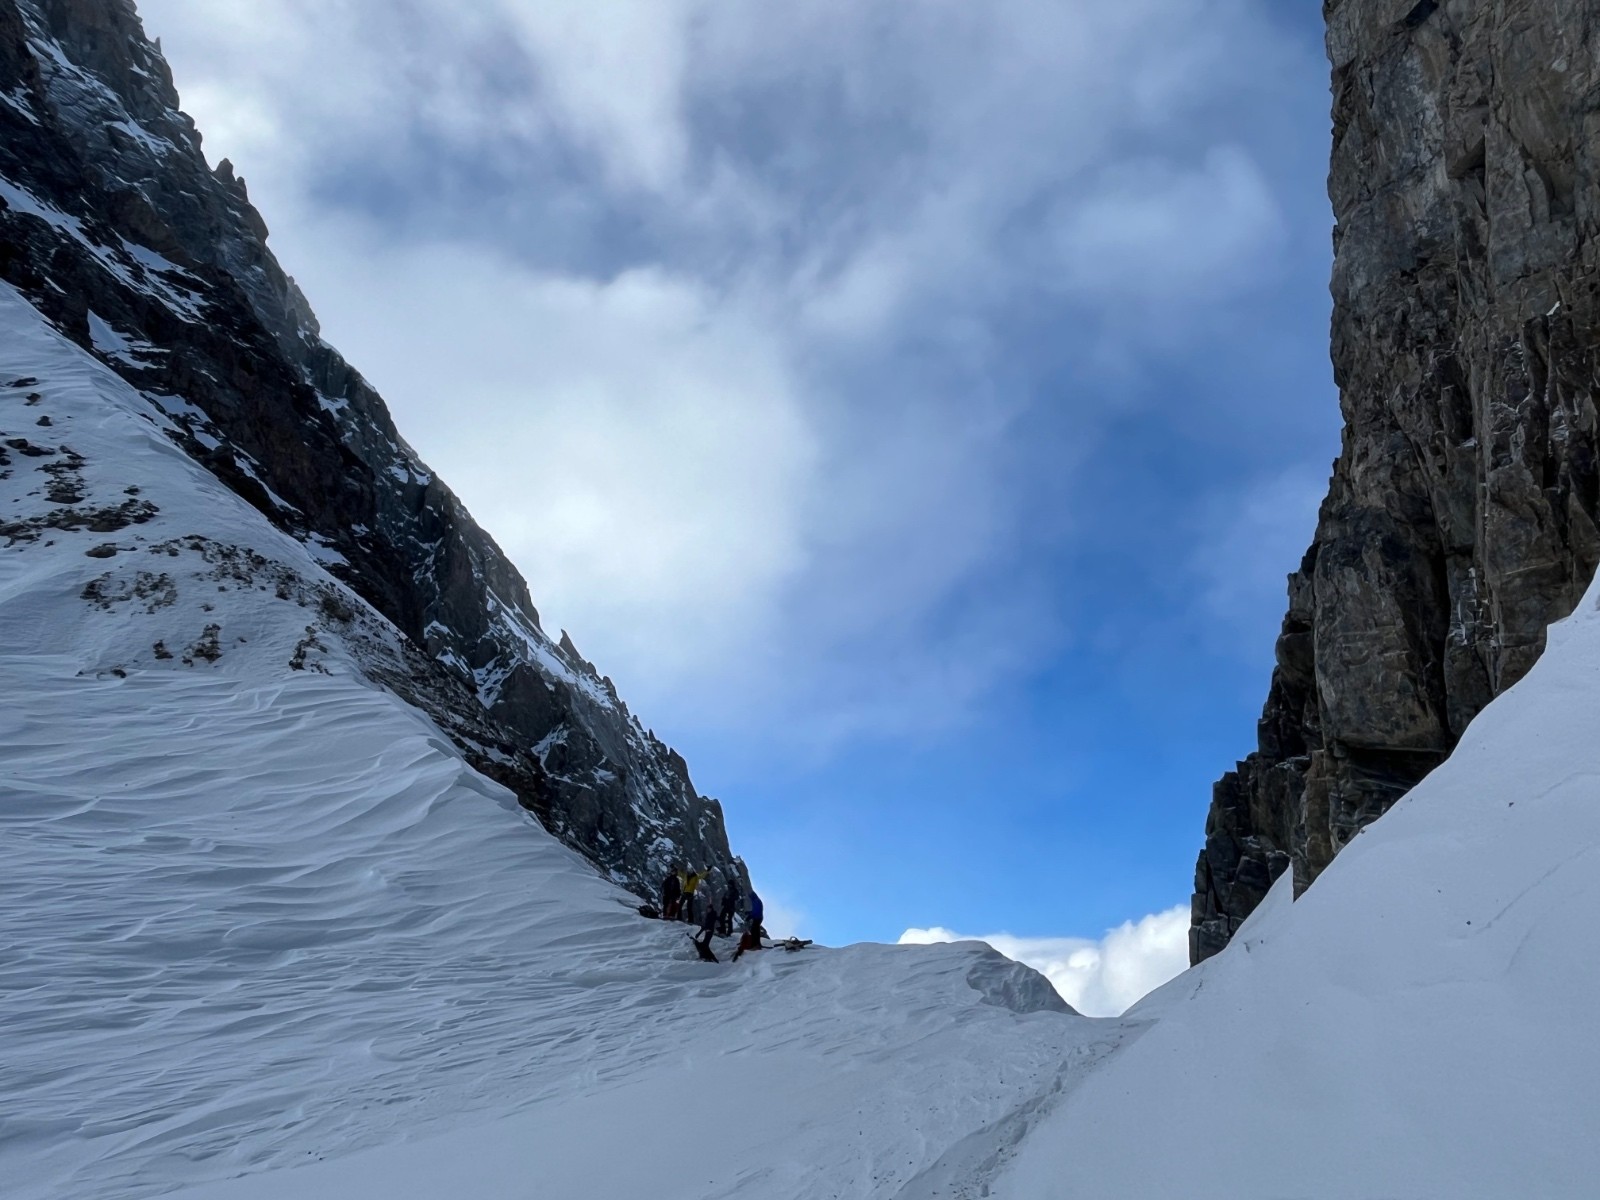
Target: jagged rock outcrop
[113,225]
[1462,515]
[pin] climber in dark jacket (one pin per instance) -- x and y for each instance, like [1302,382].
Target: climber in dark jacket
[671,890]
[730,905]
[708,926]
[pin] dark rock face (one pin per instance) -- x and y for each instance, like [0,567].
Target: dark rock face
[111,219]
[1461,518]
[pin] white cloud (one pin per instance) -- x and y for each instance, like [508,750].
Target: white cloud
[288,85]
[699,306]
[648,462]
[1098,978]
[616,75]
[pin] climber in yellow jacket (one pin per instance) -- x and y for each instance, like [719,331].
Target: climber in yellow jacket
[691,883]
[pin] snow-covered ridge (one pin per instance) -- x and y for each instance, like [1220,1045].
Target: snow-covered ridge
[114,226]
[212,971]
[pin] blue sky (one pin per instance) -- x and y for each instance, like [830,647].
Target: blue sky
[915,408]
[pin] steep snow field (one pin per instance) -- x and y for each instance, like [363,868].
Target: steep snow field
[251,924]
[256,916]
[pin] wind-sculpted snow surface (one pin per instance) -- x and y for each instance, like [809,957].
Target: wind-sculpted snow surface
[250,924]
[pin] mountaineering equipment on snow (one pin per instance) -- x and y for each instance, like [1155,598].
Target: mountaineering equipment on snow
[792,944]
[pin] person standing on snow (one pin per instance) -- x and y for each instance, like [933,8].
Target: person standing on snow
[757,912]
[708,926]
[730,905]
[671,890]
[683,894]
[691,884]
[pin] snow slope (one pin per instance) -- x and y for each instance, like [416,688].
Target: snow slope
[257,912]
[250,924]
[1421,1023]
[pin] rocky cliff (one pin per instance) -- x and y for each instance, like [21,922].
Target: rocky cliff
[115,227]
[1461,517]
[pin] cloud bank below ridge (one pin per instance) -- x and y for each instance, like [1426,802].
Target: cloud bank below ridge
[1099,978]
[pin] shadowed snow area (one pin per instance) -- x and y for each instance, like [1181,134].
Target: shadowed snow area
[258,913]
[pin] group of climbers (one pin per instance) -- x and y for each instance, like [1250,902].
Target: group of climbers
[678,892]
[687,896]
